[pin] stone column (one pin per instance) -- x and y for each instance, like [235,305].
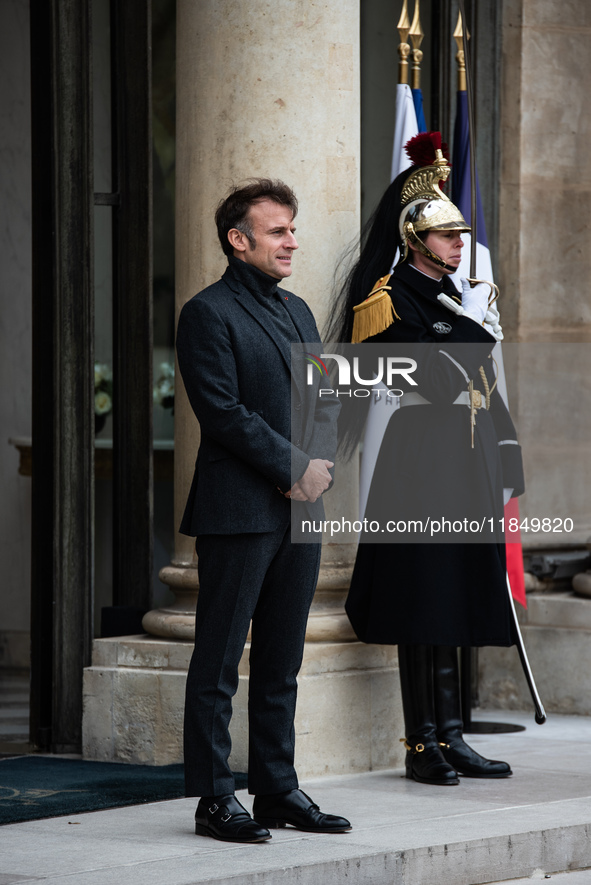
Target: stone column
[272,89]
[544,265]
[544,271]
[269,89]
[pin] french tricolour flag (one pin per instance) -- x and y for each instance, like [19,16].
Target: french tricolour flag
[382,407]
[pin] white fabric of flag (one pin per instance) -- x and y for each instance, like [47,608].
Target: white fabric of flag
[381,406]
[405,128]
[484,271]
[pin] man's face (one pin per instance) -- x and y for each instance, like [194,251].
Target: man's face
[273,230]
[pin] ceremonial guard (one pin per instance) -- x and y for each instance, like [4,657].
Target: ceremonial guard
[451,444]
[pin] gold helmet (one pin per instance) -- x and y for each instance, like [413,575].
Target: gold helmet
[424,206]
[420,205]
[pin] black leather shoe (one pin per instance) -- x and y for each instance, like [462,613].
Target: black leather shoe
[297,810]
[425,764]
[470,763]
[224,818]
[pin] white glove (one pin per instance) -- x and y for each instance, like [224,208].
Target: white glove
[474,301]
[492,319]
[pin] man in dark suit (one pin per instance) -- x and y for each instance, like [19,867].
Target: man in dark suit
[263,442]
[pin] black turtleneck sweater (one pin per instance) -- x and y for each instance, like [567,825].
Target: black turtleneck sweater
[268,294]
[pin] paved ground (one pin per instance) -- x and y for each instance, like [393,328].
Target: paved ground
[580,877]
[534,824]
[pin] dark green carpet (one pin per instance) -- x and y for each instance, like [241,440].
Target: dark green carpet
[33,787]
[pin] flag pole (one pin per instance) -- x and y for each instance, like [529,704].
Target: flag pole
[461,37]
[471,130]
[416,35]
[458,36]
[403,27]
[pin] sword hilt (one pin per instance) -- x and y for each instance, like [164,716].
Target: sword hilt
[494,289]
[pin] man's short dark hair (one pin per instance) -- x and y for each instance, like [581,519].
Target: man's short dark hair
[233,211]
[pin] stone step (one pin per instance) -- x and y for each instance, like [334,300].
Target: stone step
[14,711]
[14,731]
[348,705]
[20,746]
[10,699]
[10,677]
[14,692]
[578,877]
[557,610]
[531,825]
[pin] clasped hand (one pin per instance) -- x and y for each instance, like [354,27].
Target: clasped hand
[315,480]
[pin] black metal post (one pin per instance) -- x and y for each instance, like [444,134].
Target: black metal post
[132,304]
[63,391]
[440,67]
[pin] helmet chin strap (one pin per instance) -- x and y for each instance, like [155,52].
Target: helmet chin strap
[411,237]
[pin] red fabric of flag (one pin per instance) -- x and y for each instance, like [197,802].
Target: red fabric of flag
[514,552]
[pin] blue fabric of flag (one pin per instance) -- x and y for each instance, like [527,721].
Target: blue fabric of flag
[417,97]
[460,179]
[460,195]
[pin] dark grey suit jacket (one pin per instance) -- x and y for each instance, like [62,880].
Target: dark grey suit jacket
[260,426]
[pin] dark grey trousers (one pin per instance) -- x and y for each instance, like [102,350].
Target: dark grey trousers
[266,578]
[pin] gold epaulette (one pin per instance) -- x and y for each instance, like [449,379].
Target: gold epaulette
[375,314]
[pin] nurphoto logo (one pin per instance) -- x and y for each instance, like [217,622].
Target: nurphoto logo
[387,369]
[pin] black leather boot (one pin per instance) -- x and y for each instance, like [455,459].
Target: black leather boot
[450,726]
[424,760]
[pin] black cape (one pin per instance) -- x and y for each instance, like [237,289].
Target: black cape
[438,593]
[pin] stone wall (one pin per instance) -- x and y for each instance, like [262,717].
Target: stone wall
[544,259]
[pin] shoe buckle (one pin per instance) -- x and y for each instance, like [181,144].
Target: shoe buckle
[418,748]
[443,744]
[213,808]
[225,817]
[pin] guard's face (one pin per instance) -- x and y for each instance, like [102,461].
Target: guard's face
[447,244]
[274,233]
